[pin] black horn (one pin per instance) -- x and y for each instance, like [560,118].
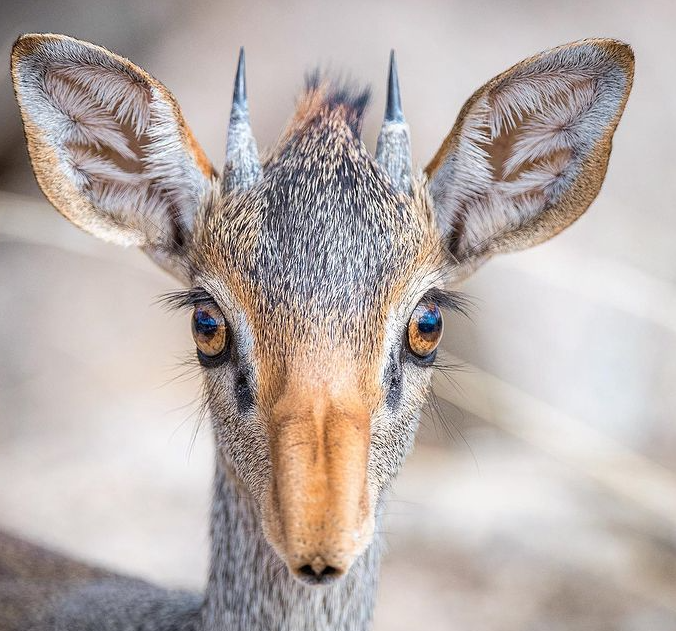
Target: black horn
[242,166]
[393,151]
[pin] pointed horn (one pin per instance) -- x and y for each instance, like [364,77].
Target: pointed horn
[242,167]
[393,151]
[393,111]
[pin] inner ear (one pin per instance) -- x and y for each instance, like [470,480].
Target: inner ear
[110,152]
[506,165]
[525,141]
[530,139]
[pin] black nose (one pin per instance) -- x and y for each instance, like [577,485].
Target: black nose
[317,572]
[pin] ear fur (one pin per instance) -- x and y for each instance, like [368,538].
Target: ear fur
[529,150]
[109,145]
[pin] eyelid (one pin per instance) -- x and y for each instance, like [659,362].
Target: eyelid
[202,297]
[209,302]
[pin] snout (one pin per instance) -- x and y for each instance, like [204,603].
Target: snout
[320,507]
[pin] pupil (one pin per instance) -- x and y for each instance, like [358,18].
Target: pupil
[429,322]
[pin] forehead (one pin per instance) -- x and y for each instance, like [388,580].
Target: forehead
[323,234]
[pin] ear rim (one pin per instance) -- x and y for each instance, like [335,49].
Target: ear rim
[61,192]
[592,170]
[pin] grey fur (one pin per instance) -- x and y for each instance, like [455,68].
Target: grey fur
[250,589]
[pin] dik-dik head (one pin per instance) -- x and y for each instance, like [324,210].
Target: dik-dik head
[317,276]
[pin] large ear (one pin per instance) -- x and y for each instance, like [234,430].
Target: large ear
[109,146]
[529,150]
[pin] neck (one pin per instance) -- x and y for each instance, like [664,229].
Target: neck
[249,587]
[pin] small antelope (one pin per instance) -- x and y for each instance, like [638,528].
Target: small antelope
[316,278]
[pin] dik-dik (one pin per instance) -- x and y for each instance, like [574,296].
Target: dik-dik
[316,278]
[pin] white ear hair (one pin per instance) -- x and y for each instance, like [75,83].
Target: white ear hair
[529,150]
[108,144]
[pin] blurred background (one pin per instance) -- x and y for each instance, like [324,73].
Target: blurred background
[542,491]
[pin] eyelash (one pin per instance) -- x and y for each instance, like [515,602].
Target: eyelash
[447,300]
[187,299]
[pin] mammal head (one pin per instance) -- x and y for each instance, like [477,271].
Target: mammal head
[316,275]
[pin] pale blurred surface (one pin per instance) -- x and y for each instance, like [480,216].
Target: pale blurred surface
[549,504]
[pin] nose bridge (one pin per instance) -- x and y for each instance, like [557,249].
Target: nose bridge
[320,439]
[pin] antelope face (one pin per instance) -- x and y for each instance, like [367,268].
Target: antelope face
[320,288]
[316,278]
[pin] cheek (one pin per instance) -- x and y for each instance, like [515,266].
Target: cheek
[394,426]
[417,383]
[404,391]
[241,436]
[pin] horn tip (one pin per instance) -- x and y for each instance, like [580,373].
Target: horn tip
[239,93]
[393,110]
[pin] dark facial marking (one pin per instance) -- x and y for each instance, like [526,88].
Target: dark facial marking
[394,381]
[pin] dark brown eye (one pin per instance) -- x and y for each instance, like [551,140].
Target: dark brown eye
[209,330]
[425,329]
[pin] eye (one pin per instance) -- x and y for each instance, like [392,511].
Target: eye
[209,330]
[425,329]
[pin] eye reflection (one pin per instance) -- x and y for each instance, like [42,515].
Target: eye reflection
[209,330]
[425,329]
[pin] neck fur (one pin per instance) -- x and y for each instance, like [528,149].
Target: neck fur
[249,588]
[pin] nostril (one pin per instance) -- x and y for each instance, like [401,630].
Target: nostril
[307,570]
[318,572]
